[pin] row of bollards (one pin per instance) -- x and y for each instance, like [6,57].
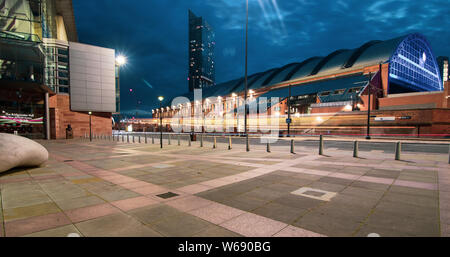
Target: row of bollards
[398,145]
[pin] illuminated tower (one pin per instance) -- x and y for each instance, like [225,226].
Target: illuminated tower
[201,53]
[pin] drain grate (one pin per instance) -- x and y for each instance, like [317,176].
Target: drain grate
[68,160]
[167,195]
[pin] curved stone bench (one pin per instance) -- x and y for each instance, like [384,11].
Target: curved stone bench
[17,151]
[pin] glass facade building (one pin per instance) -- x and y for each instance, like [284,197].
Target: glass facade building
[45,75]
[201,53]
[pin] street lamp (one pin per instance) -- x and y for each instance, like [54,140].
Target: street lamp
[160,98]
[120,60]
[368,107]
[246,84]
[90,127]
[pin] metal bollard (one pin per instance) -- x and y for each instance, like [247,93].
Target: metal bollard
[123,139]
[145,138]
[215,143]
[169,138]
[398,150]
[133,138]
[113,138]
[153,139]
[355,148]
[179,143]
[128,138]
[139,139]
[229,142]
[247,144]
[189,136]
[268,146]
[201,140]
[292,146]
[321,145]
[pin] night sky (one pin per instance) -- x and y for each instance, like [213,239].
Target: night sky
[154,35]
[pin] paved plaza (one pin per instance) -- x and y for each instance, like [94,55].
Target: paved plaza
[110,188]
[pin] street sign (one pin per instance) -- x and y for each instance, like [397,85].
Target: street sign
[288,120]
[405,117]
[384,118]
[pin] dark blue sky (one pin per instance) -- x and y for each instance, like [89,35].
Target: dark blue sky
[154,34]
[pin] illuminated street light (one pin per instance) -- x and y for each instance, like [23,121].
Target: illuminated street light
[160,98]
[90,126]
[121,60]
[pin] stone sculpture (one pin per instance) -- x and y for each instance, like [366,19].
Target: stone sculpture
[18,151]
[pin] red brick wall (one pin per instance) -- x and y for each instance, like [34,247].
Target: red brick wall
[412,100]
[327,109]
[61,116]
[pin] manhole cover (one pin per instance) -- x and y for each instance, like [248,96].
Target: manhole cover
[68,160]
[167,195]
[314,193]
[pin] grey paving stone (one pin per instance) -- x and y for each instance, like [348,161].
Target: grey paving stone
[369,185]
[181,224]
[244,203]
[405,224]
[337,181]
[421,201]
[154,213]
[383,173]
[327,224]
[299,202]
[264,194]
[115,225]
[63,231]
[115,195]
[79,202]
[216,231]
[280,212]
[327,186]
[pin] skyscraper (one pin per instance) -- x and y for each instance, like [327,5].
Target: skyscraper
[201,53]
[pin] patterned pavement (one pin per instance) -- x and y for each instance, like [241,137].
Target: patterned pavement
[110,188]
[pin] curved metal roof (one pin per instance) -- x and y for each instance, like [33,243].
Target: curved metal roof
[371,53]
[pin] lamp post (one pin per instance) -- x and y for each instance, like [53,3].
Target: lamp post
[246,84]
[289,113]
[368,107]
[90,127]
[160,98]
[120,60]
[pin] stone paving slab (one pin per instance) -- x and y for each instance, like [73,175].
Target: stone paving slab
[63,231]
[118,224]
